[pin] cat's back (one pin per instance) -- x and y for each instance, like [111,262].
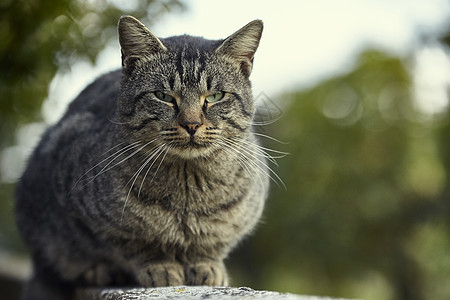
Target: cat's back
[88,116]
[83,128]
[66,150]
[99,97]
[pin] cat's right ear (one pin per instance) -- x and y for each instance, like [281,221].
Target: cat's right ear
[137,41]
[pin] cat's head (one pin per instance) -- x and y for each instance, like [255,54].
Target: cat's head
[190,94]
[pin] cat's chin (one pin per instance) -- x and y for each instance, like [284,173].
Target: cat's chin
[192,151]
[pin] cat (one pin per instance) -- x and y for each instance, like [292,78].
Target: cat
[153,174]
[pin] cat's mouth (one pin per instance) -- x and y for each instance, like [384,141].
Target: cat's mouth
[193,144]
[192,148]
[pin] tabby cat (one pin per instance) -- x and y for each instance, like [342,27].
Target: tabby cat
[153,174]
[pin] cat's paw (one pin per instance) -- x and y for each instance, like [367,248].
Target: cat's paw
[161,274]
[206,273]
[98,275]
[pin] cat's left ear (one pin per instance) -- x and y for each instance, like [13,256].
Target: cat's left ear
[241,46]
[136,41]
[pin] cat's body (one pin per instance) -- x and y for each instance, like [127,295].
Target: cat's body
[153,175]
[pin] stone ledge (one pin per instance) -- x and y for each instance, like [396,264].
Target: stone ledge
[187,292]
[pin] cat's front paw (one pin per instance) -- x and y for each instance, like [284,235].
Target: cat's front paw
[206,273]
[98,275]
[161,274]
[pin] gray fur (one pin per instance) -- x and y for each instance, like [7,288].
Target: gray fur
[128,189]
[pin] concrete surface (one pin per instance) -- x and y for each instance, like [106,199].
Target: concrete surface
[187,292]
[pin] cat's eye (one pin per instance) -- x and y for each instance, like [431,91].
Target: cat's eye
[164,97]
[215,97]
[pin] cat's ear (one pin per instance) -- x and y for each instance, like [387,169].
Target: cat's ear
[136,41]
[241,45]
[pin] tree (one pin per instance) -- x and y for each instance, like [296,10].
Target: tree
[39,37]
[366,206]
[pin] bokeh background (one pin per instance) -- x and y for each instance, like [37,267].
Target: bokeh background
[357,92]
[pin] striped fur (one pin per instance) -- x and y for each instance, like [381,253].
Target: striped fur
[129,188]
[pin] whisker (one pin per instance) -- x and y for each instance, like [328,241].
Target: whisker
[114,156]
[256,151]
[274,177]
[242,161]
[106,168]
[263,151]
[137,173]
[157,153]
[162,159]
[264,123]
[118,123]
[118,145]
[270,138]
[259,146]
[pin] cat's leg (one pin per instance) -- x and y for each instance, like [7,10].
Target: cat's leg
[164,273]
[206,272]
[105,274]
[98,275]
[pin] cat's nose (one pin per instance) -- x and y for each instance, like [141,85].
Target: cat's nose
[191,127]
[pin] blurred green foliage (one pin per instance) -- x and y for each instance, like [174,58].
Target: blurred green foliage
[38,38]
[366,210]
